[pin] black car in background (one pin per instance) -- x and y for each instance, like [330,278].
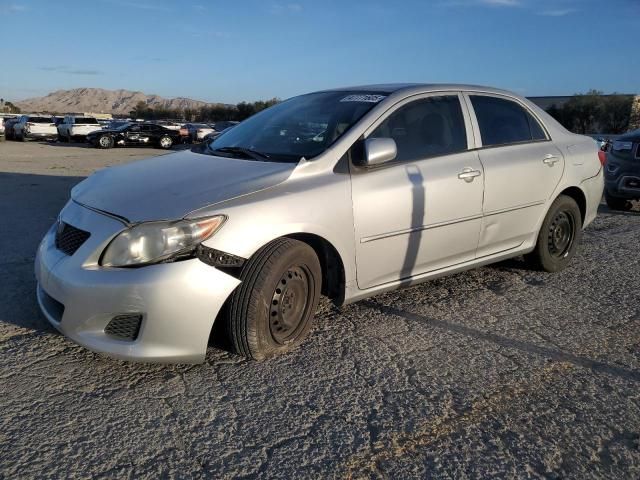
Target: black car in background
[622,171]
[134,135]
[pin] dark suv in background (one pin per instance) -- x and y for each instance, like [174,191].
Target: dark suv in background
[622,172]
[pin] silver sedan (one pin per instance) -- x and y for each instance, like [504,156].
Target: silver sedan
[345,193]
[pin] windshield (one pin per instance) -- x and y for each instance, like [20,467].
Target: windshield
[122,126]
[303,126]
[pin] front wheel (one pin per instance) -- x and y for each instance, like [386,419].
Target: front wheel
[165,143]
[105,141]
[559,236]
[271,311]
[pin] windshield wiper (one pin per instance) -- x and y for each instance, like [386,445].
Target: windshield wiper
[247,152]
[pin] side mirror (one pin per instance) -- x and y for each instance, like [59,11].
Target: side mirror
[379,150]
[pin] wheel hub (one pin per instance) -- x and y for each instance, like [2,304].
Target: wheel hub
[560,234]
[289,304]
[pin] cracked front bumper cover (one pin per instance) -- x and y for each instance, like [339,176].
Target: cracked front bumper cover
[178,301]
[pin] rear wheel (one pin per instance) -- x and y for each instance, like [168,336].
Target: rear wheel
[559,236]
[271,311]
[105,141]
[165,143]
[616,203]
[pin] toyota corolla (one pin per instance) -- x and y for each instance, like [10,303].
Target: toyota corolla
[345,193]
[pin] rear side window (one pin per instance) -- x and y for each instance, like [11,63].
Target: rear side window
[426,128]
[85,120]
[504,122]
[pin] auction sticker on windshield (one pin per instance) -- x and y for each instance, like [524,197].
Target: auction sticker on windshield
[364,98]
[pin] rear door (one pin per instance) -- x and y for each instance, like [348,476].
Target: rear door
[423,211]
[522,169]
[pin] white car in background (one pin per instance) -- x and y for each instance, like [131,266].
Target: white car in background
[76,127]
[34,126]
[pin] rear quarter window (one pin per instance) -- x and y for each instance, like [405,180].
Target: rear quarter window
[504,122]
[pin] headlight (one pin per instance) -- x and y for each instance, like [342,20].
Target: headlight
[156,241]
[619,146]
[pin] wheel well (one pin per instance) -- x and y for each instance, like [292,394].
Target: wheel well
[333,279]
[579,197]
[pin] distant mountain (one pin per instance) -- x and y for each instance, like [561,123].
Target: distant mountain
[98,100]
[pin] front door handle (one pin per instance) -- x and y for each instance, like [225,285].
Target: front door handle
[468,174]
[550,160]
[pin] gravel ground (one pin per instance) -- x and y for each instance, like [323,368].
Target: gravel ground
[499,371]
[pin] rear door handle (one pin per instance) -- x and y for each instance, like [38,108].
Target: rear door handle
[550,160]
[468,174]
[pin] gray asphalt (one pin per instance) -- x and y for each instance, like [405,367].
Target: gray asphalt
[496,372]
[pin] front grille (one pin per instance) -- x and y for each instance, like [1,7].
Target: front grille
[69,238]
[124,327]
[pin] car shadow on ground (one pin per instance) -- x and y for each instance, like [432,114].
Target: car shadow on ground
[633,212]
[501,341]
[29,204]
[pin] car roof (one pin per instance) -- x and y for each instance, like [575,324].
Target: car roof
[418,87]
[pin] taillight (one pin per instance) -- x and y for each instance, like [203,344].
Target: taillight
[602,156]
[184,131]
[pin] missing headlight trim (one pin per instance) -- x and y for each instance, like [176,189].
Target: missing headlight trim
[219,259]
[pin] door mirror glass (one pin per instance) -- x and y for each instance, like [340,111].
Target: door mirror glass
[379,150]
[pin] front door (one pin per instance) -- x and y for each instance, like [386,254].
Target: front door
[423,211]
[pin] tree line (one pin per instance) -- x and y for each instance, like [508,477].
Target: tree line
[8,107]
[594,112]
[206,113]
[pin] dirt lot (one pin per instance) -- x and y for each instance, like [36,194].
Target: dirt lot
[500,371]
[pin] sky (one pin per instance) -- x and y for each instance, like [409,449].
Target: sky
[246,50]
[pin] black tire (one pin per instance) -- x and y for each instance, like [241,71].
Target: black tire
[165,142]
[616,203]
[104,141]
[272,310]
[559,236]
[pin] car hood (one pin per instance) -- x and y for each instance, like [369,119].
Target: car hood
[171,186]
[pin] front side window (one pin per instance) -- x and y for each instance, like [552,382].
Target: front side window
[426,128]
[504,122]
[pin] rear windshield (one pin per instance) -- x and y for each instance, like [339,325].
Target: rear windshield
[40,120]
[85,120]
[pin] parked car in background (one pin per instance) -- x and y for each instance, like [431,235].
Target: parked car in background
[168,124]
[224,125]
[8,124]
[216,133]
[622,171]
[76,127]
[35,126]
[190,131]
[348,193]
[135,135]
[3,121]
[113,124]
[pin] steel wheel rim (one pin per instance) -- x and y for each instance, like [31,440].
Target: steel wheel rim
[290,304]
[561,234]
[165,142]
[104,141]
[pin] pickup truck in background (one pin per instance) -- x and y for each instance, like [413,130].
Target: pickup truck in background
[73,127]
